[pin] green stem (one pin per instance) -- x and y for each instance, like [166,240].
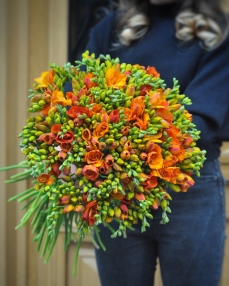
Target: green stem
[28,203]
[99,239]
[27,196]
[76,256]
[20,174]
[40,236]
[65,232]
[43,202]
[13,167]
[109,227]
[21,194]
[70,228]
[57,228]
[127,226]
[93,241]
[46,244]
[30,211]
[18,180]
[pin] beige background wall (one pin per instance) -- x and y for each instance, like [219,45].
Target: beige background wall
[33,33]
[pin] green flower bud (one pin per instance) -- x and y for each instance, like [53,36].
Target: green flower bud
[32,138]
[42,152]
[120,162]
[42,102]
[175,188]
[134,158]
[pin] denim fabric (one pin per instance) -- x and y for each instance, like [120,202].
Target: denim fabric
[190,247]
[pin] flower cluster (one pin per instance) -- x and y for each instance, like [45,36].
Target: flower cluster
[108,149]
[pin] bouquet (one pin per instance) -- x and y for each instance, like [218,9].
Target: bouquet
[107,150]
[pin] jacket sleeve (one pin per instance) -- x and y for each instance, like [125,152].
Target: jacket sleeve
[209,92]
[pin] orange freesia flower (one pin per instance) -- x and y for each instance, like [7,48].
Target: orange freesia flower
[88,82]
[66,147]
[56,128]
[90,211]
[125,178]
[90,172]
[185,182]
[187,115]
[58,98]
[96,108]
[127,146]
[45,110]
[65,200]
[104,116]
[170,161]
[155,160]
[140,197]
[130,90]
[78,122]
[68,208]
[152,71]
[79,208]
[187,141]
[123,207]
[82,91]
[66,138]
[156,203]
[158,99]
[67,170]
[109,161]
[137,108]
[149,146]
[95,142]
[89,146]
[125,130]
[142,123]
[45,79]
[47,138]
[145,89]
[55,169]
[150,182]
[102,146]
[169,174]
[76,110]
[45,179]
[157,138]
[175,133]
[118,196]
[114,78]
[165,114]
[62,155]
[101,129]
[127,112]
[98,183]
[94,157]
[114,116]
[86,134]
[103,168]
[143,156]
[178,151]
[70,95]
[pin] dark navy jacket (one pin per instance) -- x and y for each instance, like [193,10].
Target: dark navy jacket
[203,76]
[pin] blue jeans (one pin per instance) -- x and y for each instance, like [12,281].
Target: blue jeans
[190,247]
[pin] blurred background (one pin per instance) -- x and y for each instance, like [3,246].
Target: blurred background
[33,34]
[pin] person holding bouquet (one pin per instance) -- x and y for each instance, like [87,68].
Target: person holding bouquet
[187,40]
